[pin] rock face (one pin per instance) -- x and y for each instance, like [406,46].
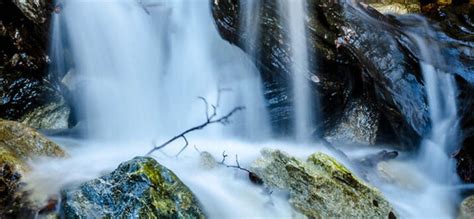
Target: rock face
[321,187]
[359,53]
[365,65]
[25,83]
[139,188]
[18,144]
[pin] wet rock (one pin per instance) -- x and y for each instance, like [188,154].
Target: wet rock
[139,188]
[400,174]
[34,10]
[320,187]
[396,8]
[54,115]
[351,55]
[373,159]
[25,83]
[358,124]
[466,210]
[206,160]
[18,145]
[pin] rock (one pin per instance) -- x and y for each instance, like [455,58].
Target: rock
[358,124]
[206,160]
[25,82]
[400,174]
[35,10]
[368,64]
[18,145]
[139,188]
[54,115]
[321,187]
[466,210]
[372,160]
[396,8]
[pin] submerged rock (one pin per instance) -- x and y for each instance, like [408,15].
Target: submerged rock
[206,160]
[139,188]
[18,145]
[321,187]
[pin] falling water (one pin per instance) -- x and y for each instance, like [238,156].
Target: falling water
[295,11]
[56,49]
[251,32]
[148,62]
[426,183]
[436,149]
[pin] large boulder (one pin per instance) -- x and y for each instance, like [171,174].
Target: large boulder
[321,187]
[18,145]
[139,188]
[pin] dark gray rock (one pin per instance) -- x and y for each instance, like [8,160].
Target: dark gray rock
[25,83]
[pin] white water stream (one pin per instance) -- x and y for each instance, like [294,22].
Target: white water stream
[146,62]
[295,12]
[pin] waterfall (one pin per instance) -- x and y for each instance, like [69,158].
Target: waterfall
[435,158]
[251,32]
[147,62]
[295,13]
[56,50]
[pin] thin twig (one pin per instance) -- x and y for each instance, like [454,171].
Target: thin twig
[237,166]
[210,119]
[184,147]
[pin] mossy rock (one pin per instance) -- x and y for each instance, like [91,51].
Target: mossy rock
[139,188]
[321,187]
[19,144]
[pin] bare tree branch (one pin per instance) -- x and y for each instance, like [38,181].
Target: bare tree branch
[254,178]
[210,119]
[184,147]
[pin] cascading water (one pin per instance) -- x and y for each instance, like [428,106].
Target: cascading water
[427,182]
[145,64]
[145,82]
[436,149]
[295,11]
[57,48]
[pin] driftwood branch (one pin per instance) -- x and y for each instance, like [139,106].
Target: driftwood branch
[210,119]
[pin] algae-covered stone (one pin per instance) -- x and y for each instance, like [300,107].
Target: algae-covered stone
[321,187]
[18,144]
[139,188]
